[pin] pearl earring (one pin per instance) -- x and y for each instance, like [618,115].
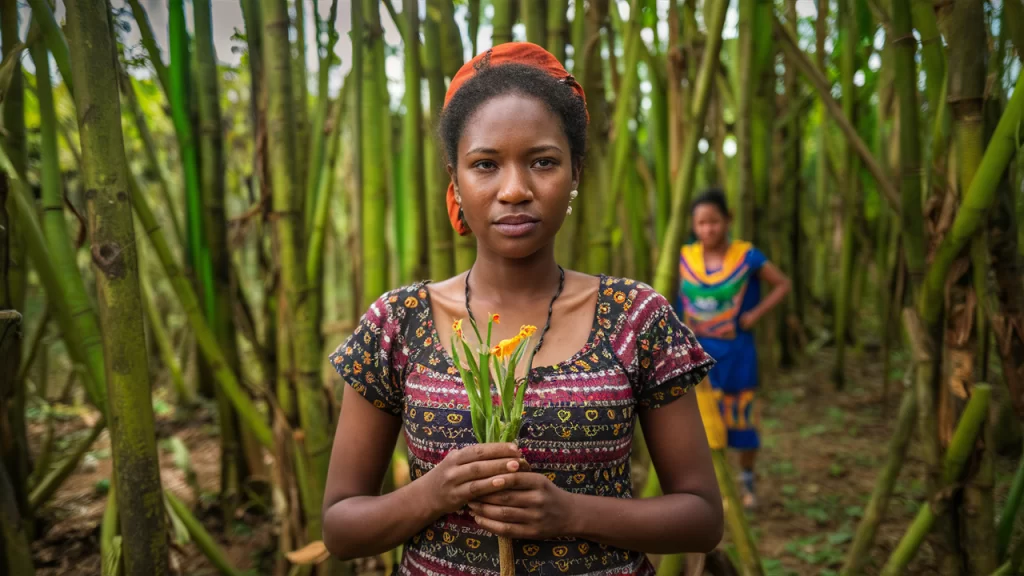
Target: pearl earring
[572,196]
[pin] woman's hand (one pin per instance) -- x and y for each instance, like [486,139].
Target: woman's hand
[466,474]
[747,320]
[529,506]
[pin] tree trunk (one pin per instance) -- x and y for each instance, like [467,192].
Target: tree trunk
[114,257]
[15,545]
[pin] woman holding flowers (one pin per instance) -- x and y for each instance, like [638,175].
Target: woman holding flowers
[519,426]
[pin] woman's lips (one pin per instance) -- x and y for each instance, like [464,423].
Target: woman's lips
[515,225]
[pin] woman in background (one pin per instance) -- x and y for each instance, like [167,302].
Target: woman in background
[720,300]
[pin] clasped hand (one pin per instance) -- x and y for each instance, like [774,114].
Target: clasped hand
[502,494]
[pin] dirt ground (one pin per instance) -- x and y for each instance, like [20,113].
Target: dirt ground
[822,452]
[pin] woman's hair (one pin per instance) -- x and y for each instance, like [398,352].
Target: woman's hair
[493,81]
[714,197]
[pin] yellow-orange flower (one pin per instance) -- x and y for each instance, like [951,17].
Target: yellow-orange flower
[457,327]
[505,348]
[496,318]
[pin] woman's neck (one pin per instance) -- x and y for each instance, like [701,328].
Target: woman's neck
[718,248]
[514,280]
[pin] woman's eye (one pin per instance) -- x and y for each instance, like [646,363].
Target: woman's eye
[485,165]
[544,163]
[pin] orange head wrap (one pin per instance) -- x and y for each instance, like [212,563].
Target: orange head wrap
[523,53]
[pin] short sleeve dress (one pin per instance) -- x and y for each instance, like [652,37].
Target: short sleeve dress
[578,428]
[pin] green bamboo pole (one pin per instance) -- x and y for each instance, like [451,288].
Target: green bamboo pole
[115,262]
[823,87]
[150,148]
[300,91]
[682,187]
[534,15]
[201,537]
[151,46]
[14,540]
[601,253]
[502,20]
[168,355]
[81,331]
[60,248]
[48,485]
[974,205]
[657,128]
[44,18]
[594,180]
[850,37]
[324,197]
[220,302]
[198,250]
[557,28]
[13,145]
[739,530]
[298,350]
[452,56]
[960,448]
[858,554]
[408,210]
[1004,530]
[747,72]
[318,135]
[933,58]
[372,152]
[204,336]
[110,542]
[976,542]
[439,231]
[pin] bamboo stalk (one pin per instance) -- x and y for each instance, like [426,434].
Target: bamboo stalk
[1004,529]
[441,253]
[150,148]
[163,342]
[320,133]
[534,16]
[976,201]
[409,207]
[557,28]
[858,554]
[58,46]
[682,187]
[739,531]
[960,448]
[201,537]
[372,152]
[151,46]
[80,331]
[328,184]
[204,336]
[821,85]
[502,21]
[110,542]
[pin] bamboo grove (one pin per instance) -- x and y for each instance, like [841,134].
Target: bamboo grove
[208,231]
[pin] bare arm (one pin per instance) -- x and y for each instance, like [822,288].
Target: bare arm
[359,521]
[687,518]
[780,287]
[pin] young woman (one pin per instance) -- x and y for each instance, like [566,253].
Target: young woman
[720,299]
[610,350]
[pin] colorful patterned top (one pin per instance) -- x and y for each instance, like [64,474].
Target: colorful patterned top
[578,428]
[713,300]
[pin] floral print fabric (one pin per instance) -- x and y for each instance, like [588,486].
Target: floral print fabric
[578,427]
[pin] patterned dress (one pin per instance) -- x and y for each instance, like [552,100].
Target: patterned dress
[578,429]
[711,303]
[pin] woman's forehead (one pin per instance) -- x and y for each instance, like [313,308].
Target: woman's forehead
[511,120]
